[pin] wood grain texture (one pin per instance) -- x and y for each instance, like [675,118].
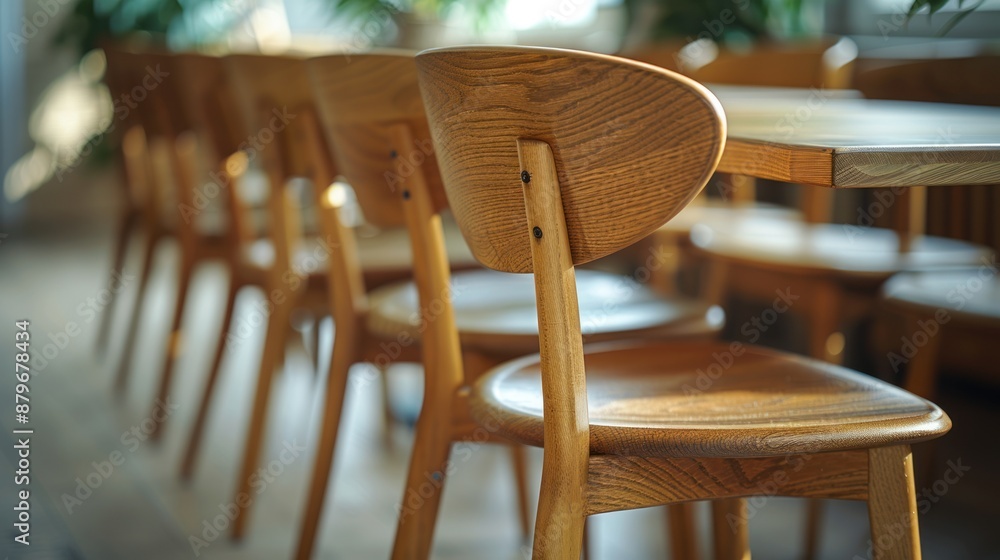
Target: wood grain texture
[559,526]
[618,482]
[358,98]
[817,138]
[621,127]
[680,400]
[892,504]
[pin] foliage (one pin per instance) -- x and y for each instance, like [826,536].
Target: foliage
[934,6]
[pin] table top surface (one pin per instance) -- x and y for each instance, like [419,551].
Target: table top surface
[835,138]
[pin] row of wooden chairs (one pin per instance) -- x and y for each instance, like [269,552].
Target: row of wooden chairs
[508,146]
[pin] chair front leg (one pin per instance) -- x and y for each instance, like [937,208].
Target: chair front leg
[892,504]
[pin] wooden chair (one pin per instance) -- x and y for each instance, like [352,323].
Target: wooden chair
[469,321]
[958,310]
[137,203]
[264,87]
[636,430]
[160,158]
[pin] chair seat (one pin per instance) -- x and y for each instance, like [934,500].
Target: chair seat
[971,296]
[715,211]
[713,399]
[495,312]
[386,251]
[829,248]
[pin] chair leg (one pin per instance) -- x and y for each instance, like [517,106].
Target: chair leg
[519,458]
[198,429]
[175,344]
[892,504]
[277,329]
[424,485]
[732,537]
[824,321]
[345,354]
[680,521]
[149,251]
[117,267]
[586,555]
[388,420]
[814,524]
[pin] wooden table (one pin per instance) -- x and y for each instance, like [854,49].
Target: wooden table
[837,139]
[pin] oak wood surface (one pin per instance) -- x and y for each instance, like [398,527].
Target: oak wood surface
[814,138]
[666,403]
[621,127]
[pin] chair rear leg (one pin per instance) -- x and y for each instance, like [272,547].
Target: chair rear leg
[198,428]
[277,329]
[892,504]
[346,352]
[681,525]
[149,251]
[125,227]
[732,536]
[175,344]
[424,484]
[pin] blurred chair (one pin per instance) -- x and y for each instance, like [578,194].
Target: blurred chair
[274,99]
[466,322]
[623,435]
[958,310]
[159,157]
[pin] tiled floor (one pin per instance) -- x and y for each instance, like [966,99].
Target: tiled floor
[140,510]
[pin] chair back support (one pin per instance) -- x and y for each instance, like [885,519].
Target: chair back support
[270,91]
[632,143]
[360,98]
[273,97]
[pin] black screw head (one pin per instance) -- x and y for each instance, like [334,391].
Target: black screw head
[525,177]
[392,154]
[537,231]
[406,195]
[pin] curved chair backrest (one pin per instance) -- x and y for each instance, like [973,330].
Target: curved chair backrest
[359,99]
[632,144]
[270,90]
[821,64]
[208,100]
